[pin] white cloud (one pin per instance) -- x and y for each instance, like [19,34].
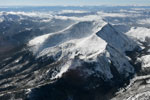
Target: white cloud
[73,11]
[31,14]
[23,13]
[139,33]
[128,11]
[137,9]
[85,18]
[144,21]
[103,14]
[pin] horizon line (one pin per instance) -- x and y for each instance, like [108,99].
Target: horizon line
[69,5]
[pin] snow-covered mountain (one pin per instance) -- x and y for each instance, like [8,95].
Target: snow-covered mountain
[93,42]
[74,55]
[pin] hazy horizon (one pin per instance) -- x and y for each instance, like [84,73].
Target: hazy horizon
[74,3]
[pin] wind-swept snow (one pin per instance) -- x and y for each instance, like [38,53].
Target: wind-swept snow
[75,31]
[91,46]
[38,40]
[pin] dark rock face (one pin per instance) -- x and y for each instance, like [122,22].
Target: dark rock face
[74,87]
[22,68]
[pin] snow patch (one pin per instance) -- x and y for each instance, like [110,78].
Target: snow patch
[1,20]
[63,69]
[91,46]
[38,40]
[145,61]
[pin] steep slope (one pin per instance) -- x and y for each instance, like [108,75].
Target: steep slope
[94,56]
[139,85]
[88,45]
[82,52]
[116,39]
[75,31]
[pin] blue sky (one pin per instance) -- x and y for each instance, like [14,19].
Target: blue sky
[73,2]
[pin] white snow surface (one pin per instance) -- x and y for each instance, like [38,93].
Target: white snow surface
[145,61]
[76,31]
[141,96]
[38,40]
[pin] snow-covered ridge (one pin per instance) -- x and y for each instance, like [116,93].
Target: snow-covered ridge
[90,41]
[116,39]
[76,31]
